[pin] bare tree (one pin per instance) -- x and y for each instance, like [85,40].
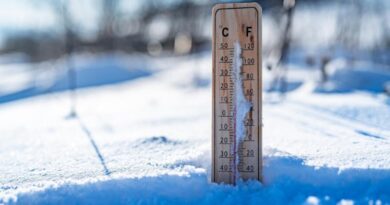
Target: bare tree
[109,12]
[72,74]
[279,81]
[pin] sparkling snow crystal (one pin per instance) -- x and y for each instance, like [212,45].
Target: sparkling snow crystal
[242,105]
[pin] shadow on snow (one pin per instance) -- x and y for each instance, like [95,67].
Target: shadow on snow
[101,71]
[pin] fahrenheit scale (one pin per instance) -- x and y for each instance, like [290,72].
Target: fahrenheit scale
[236,137]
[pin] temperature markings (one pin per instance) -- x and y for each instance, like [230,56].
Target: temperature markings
[232,155]
[226,116]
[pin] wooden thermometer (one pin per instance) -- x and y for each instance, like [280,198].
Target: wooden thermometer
[237,91]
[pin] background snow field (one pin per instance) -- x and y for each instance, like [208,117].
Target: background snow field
[147,140]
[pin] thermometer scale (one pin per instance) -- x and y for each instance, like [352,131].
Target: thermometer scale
[236,137]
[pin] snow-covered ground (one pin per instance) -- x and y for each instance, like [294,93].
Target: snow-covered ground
[147,140]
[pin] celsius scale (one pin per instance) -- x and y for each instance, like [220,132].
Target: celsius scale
[237,87]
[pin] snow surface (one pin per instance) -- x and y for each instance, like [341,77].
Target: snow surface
[147,140]
[242,106]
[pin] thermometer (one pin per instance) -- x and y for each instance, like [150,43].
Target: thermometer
[237,87]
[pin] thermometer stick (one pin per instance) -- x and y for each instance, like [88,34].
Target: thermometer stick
[236,137]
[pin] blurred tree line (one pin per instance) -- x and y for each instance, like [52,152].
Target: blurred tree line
[180,27]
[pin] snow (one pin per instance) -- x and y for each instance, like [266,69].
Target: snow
[242,105]
[147,140]
[91,71]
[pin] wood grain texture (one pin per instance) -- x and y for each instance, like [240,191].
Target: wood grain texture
[236,22]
